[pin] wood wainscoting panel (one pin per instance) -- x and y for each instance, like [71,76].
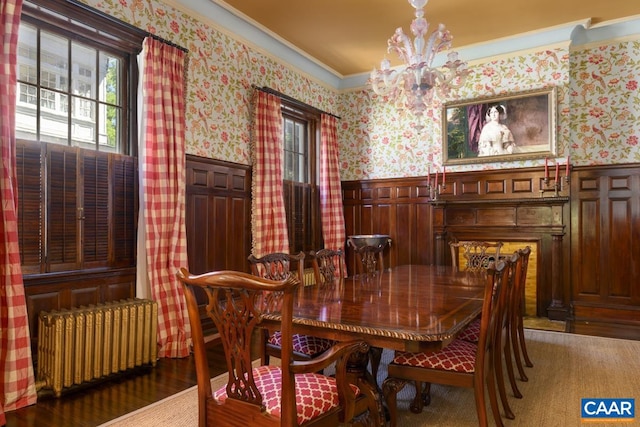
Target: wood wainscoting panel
[495,186]
[504,216]
[218,215]
[532,215]
[605,245]
[522,185]
[460,216]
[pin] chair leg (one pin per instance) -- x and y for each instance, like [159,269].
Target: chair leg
[390,389]
[509,364]
[515,345]
[493,399]
[426,395]
[523,345]
[497,367]
[418,401]
[375,355]
[264,354]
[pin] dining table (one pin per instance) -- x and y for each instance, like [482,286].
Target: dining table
[414,308]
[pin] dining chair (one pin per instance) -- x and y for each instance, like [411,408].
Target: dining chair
[277,266]
[517,332]
[503,343]
[291,394]
[328,268]
[476,254]
[461,363]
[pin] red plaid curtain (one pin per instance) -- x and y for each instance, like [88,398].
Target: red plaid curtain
[162,244]
[17,387]
[268,216]
[331,208]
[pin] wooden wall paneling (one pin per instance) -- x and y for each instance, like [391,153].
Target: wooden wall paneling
[423,232]
[240,219]
[37,302]
[63,291]
[198,234]
[405,240]
[218,217]
[397,207]
[605,243]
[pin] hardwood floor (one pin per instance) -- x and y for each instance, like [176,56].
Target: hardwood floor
[100,403]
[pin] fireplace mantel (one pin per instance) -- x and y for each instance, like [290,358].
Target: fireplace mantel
[542,221]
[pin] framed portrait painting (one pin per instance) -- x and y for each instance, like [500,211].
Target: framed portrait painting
[502,128]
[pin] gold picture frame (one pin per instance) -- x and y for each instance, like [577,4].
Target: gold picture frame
[516,126]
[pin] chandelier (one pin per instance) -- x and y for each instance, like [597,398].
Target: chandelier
[413,87]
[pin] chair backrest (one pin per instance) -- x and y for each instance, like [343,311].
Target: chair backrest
[477,254]
[277,265]
[328,265]
[236,304]
[518,292]
[494,293]
[511,283]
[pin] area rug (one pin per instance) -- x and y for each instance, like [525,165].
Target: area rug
[567,368]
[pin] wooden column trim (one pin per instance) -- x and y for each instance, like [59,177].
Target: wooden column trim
[557,310]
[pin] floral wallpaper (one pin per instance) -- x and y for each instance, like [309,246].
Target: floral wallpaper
[221,72]
[598,102]
[605,104]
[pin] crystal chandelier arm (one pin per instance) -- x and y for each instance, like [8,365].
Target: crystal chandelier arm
[412,87]
[401,45]
[443,39]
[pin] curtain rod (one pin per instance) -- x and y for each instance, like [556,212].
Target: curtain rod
[292,100]
[167,42]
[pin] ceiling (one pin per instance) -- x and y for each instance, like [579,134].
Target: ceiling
[350,36]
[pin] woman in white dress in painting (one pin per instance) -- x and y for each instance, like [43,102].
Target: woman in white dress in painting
[495,138]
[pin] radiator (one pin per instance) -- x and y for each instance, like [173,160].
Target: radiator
[308,277]
[85,344]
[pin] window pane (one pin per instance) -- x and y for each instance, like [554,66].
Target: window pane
[300,139]
[288,135]
[83,74]
[109,128]
[54,61]
[109,79]
[27,44]
[53,124]
[26,112]
[288,168]
[83,124]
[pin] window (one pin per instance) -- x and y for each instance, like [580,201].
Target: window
[301,196]
[75,131]
[79,86]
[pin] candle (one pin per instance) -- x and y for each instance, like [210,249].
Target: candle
[444,175]
[436,178]
[546,168]
[566,169]
[557,170]
[429,174]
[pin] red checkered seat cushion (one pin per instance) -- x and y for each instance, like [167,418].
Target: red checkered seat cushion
[472,332]
[315,394]
[305,344]
[459,356]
